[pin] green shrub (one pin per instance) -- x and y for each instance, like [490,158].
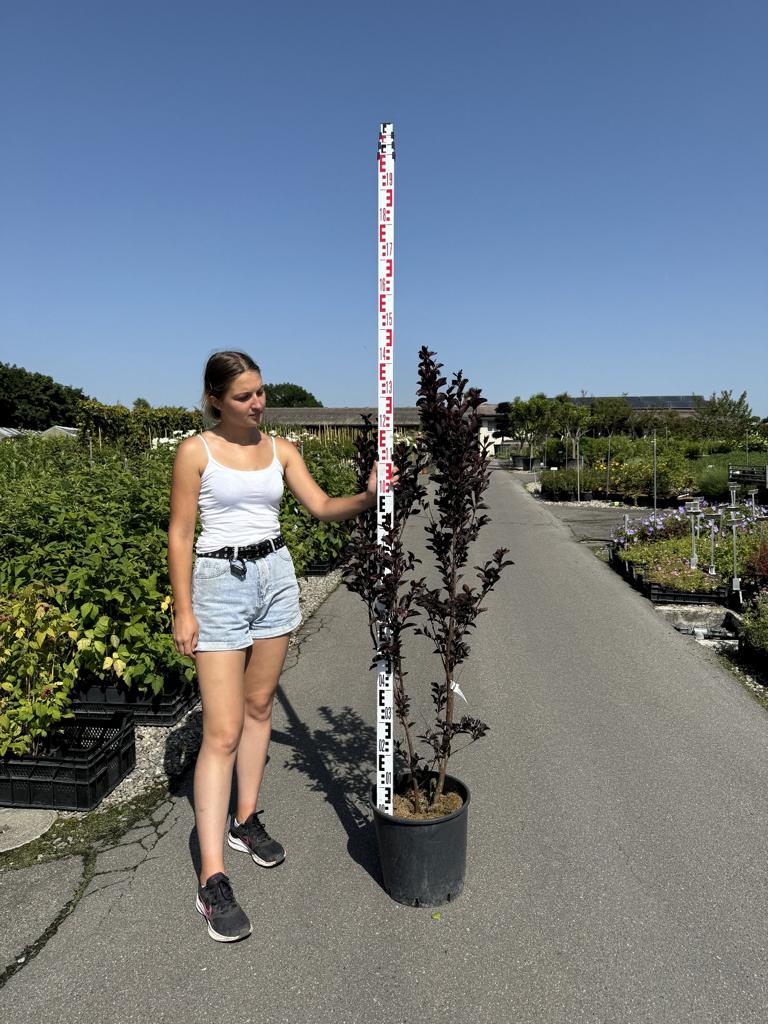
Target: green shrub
[595,449]
[712,482]
[560,484]
[38,666]
[634,477]
[756,625]
[309,540]
[97,535]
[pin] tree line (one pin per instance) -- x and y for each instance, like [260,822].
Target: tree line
[720,417]
[34,401]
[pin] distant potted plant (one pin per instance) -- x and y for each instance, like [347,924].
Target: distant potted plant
[422,845]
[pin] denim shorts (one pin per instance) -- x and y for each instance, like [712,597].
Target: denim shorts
[233,608]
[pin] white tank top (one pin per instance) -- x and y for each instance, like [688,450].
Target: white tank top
[238,506]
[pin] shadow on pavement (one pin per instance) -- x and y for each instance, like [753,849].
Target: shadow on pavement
[335,759]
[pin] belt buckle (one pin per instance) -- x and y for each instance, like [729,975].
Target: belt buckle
[238,570]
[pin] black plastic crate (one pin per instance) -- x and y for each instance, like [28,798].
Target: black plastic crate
[163,709]
[615,559]
[319,567]
[667,595]
[92,756]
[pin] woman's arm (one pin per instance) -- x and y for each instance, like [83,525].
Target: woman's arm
[313,497]
[185,489]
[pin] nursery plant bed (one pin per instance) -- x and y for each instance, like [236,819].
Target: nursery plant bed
[92,756]
[162,709]
[660,594]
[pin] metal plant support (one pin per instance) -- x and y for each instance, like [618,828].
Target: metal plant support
[608,470]
[735,520]
[654,476]
[693,509]
[712,521]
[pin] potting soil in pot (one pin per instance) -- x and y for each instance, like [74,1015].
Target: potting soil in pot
[403,806]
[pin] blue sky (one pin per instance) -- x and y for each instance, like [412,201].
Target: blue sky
[582,193]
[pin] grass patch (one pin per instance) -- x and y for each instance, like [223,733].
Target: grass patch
[737,458]
[78,836]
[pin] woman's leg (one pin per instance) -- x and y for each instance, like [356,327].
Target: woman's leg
[263,665]
[221,677]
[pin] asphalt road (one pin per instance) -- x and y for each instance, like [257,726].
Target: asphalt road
[592,524]
[617,855]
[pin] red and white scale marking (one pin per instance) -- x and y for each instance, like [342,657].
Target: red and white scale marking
[385,170]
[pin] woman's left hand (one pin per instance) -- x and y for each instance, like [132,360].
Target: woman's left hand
[373,480]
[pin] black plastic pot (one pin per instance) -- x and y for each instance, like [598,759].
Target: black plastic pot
[423,861]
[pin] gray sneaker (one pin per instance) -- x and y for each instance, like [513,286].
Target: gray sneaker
[251,837]
[227,921]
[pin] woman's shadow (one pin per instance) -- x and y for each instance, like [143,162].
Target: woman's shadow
[335,758]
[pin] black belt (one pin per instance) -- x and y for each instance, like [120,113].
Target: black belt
[249,552]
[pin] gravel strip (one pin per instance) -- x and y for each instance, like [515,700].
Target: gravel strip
[162,752]
[535,490]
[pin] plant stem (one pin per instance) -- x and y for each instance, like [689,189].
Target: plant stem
[449,694]
[400,686]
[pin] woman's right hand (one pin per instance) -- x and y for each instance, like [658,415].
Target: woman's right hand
[185,632]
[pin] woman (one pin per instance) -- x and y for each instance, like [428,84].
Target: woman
[235,609]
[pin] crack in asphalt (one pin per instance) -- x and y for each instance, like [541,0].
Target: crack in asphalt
[639,878]
[89,873]
[305,634]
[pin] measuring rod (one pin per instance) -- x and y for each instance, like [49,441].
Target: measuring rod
[385,242]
